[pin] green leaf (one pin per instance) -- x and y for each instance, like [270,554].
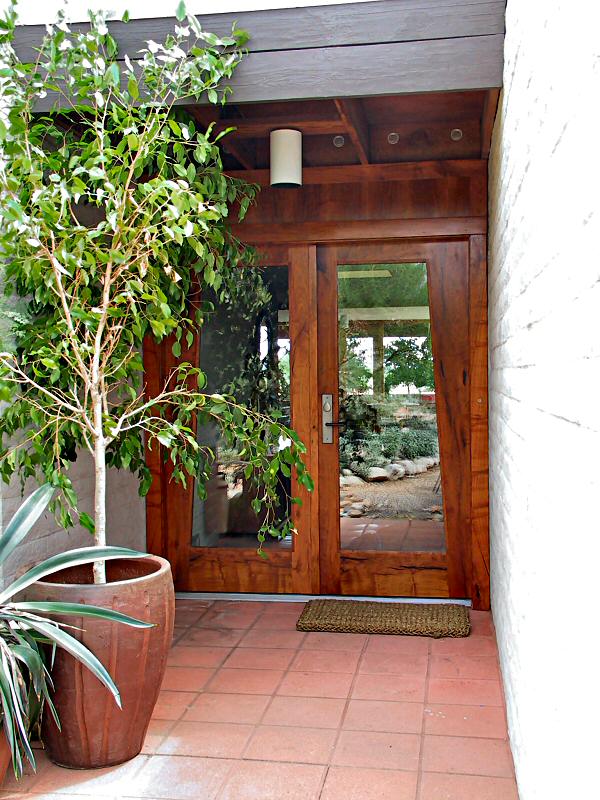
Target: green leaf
[81,610]
[181,12]
[27,515]
[76,649]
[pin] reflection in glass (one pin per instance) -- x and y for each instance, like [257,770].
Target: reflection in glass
[390,485]
[244,352]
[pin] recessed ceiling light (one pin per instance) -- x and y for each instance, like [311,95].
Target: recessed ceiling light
[364,273]
[456,134]
[339,141]
[393,137]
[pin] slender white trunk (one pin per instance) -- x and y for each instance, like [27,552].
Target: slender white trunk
[100,486]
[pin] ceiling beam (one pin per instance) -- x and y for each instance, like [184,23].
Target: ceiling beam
[490,106]
[405,171]
[353,116]
[259,128]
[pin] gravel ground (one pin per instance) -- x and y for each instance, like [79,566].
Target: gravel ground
[412,497]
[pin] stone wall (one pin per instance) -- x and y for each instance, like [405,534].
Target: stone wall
[544,300]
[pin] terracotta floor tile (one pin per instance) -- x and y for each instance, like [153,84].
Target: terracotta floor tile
[182,778]
[460,666]
[464,692]
[311,684]
[301,746]
[377,715]
[459,754]
[260,658]
[242,708]
[306,712]
[245,681]
[401,645]
[271,639]
[157,731]
[394,664]
[242,618]
[189,616]
[350,642]
[455,720]
[197,656]
[466,787]
[345,783]
[186,679]
[468,646]
[482,623]
[266,780]
[389,687]
[211,739]
[276,621]
[377,750]
[120,780]
[172,705]
[256,606]
[210,637]
[325,661]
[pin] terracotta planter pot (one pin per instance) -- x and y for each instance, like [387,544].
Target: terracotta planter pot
[5,757]
[95,732]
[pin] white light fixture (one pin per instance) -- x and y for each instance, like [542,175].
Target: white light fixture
[286,158]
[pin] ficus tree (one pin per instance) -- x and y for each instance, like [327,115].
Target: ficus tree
[114,218]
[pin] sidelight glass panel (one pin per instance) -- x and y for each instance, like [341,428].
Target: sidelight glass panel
[244,352]
[390,483]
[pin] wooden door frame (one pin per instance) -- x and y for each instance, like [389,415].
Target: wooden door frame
[169,505]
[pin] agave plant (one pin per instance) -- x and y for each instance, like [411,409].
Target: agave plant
[28,638]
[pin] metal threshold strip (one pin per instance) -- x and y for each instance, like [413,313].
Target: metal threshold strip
[303,598]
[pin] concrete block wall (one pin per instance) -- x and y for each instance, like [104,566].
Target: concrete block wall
[544,303]
[125,516]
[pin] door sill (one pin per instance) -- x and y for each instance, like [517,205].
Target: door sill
[303,598]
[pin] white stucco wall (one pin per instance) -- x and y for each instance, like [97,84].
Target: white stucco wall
[544,297]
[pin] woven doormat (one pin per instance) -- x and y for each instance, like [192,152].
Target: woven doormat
[363,616]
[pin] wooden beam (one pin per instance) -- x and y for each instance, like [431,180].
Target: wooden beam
[353,117]
[409,171]
[258,128]
[261,233]
[490,107]
[438,65]
[326,26]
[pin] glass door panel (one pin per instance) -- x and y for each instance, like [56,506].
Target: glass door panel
[244,351]
[390,482]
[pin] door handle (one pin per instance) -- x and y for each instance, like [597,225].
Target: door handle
[327,418]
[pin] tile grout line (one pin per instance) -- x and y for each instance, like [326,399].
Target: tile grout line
[418,785]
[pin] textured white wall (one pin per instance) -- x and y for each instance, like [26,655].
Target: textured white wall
[544,296]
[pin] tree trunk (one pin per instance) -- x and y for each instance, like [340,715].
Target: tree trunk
[100,489]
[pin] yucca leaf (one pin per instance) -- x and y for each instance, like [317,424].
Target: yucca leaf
[20,732]
[81,610]
[20,525]
[75,648]
[72,558]
[33,661]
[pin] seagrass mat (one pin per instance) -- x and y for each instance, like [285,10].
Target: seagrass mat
[364,616]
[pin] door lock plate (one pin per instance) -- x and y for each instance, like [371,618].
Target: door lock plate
[327,418]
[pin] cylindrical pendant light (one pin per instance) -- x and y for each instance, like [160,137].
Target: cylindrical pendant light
[286,158]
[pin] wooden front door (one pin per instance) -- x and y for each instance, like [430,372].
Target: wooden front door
[345,325]
[395,466]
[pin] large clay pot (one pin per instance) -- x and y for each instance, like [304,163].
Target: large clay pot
[5,757]
[94,731]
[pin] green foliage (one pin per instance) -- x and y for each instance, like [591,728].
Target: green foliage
[416,444]
[114,222]
[26,633]
[409,362]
